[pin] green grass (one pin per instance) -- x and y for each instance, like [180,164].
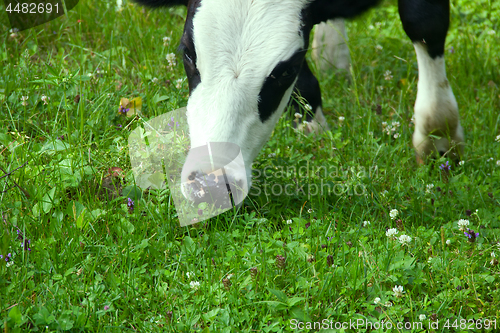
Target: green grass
[95,265]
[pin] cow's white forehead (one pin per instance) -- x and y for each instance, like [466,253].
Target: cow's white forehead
[245,39]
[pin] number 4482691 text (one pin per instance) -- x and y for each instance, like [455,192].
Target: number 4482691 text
[32,8]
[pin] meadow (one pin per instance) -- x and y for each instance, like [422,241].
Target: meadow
[355,237]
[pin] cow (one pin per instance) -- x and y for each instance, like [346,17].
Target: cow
[244,58]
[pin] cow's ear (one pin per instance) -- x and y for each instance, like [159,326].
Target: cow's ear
[161,3]
[323,10]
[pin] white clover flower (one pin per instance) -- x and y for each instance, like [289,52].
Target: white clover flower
[10,263]
[154,80]
[189,275]
[384,124]
[310,210]
[463,224]
[396,135]
[341,118]
[171,59]
[494,260]
[461,163]
[24,100]
[298,115]
[422,317]
[391,233]
[429,261]
[498,163]
[289,221]
[497,139]
[398,291]
[377,300]
[379,47]
[388,304]
[388,75]
[371,27]
[45,99]
[271,155]
[429,187]
[166,41]
[230,276]
[366,223]
[393,213]
[178,83]
[404,239]
[194,285]
[448,242]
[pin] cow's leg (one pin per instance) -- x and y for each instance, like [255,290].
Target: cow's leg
[329,48]
[437,124]
[306,105]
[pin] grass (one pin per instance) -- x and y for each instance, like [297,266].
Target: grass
[98,263]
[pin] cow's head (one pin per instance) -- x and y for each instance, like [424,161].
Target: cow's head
[242,58]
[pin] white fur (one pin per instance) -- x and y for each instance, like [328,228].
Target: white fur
[436,110]
[238,43]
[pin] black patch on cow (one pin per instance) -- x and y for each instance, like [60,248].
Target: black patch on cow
[277,83]
[426,22]
[307,87]
[188,49]
[323,10]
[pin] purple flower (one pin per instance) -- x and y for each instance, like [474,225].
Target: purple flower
[472,235]
[130,205]
[452,50]
[445,167]
[123,109]
[172,122]
[106,307]
[24,242]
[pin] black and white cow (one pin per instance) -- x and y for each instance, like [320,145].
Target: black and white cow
[243,59]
